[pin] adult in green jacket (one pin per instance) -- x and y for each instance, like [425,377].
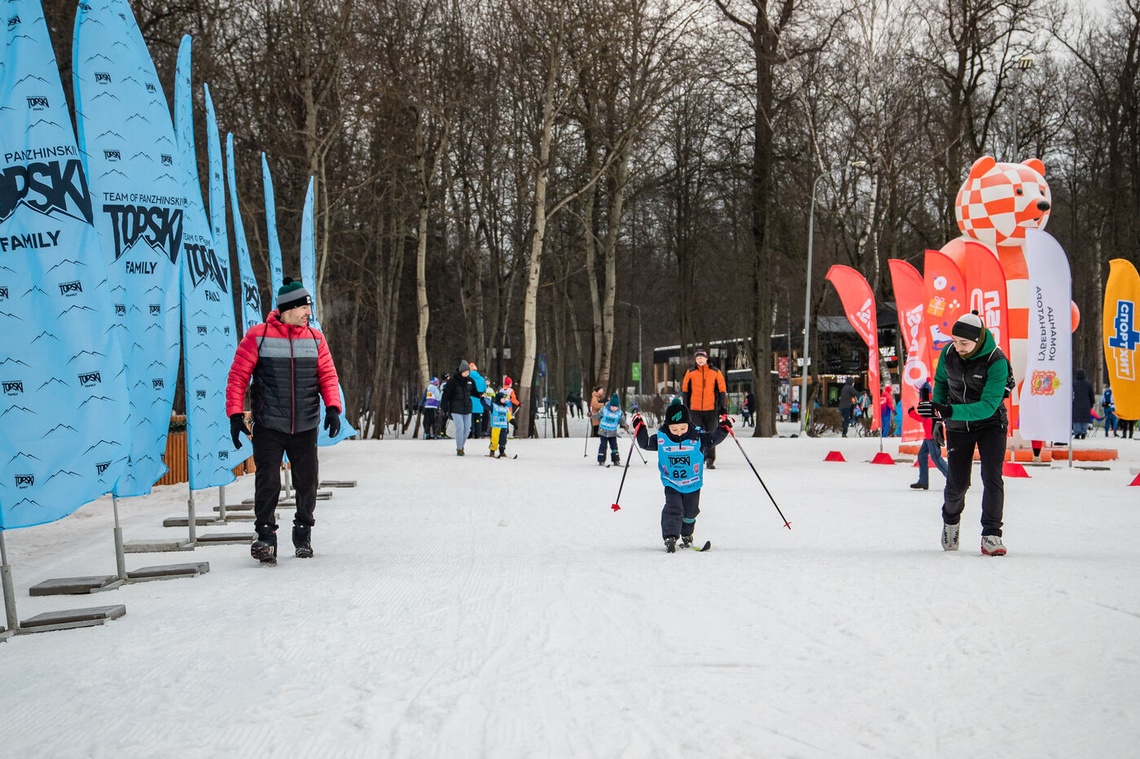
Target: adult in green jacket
[969,389]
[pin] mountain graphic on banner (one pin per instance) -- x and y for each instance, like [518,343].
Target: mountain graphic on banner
[127,142]
[62,399]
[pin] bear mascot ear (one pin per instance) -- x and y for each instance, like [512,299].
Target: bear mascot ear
[981,167]
[1036,164]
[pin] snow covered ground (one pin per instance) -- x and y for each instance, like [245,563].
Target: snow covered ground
[464,607]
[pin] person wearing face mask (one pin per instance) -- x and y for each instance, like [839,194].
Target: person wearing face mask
[971,383]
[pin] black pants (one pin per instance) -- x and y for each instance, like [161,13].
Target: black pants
[679,516]
[429,422]
[611,442]
[707,421]
[960,444]
[268,448]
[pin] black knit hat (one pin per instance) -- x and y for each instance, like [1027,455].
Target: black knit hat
[968,326]
[292,295]
[676,413]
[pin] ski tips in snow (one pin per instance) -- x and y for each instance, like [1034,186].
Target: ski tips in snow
[705,547]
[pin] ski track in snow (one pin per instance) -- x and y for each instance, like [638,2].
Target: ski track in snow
[458,609]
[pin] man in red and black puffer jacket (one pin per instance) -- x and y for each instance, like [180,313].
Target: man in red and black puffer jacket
[292,369]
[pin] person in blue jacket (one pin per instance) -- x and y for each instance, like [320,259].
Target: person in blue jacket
[500,415]
[681,451]
[609,418]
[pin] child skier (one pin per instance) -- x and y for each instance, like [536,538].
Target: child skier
[609,418]
[500,418]
[681,460]
[431,407]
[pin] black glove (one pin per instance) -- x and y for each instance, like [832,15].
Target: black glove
[726,421]
[237,424]
[332,420]
[931,410]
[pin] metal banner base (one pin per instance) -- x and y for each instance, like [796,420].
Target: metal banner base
[157,546]
[168,571]
[66,620]
[75,586]
[224,538]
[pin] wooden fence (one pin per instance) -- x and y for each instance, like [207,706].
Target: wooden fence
[177,453]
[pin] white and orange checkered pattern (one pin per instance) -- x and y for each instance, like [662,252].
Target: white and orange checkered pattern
[999,201]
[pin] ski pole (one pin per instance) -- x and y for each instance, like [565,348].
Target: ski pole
[586,442]
[640,455]
[738,445]
[624,471]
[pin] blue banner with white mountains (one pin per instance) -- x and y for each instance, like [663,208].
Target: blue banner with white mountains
[63,397]
[208,330]
[127,142]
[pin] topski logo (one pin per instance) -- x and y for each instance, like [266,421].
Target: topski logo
[204,265]
[158,227]
[48,187]
[251,295]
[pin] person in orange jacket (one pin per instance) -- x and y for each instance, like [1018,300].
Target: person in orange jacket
[706,397]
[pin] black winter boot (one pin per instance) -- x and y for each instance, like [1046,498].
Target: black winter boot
[301,536]
[264,546]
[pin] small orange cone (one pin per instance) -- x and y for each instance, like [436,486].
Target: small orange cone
[882,457]
[834,456]
[1012,469]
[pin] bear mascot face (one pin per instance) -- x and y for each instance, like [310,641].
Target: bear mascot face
[999,201]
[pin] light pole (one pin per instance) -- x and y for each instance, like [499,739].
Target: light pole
[807,293]
[640,368]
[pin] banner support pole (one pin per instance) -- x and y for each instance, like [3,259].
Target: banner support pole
[191,522]
[9,589]
[120,554]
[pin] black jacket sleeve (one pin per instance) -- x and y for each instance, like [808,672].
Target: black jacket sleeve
[644,440]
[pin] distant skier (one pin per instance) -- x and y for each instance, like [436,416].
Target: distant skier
[609,418]
[431,407]
[681,450]
[501,415]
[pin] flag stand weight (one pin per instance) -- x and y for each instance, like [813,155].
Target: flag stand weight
[52,620]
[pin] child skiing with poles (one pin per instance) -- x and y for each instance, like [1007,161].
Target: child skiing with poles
[500,418]
[609,418]
[681,460]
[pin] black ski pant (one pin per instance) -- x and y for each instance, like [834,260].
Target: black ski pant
[707,421]
[960,444]
[269,446]
[429,422]
[679,516]
[611,442]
